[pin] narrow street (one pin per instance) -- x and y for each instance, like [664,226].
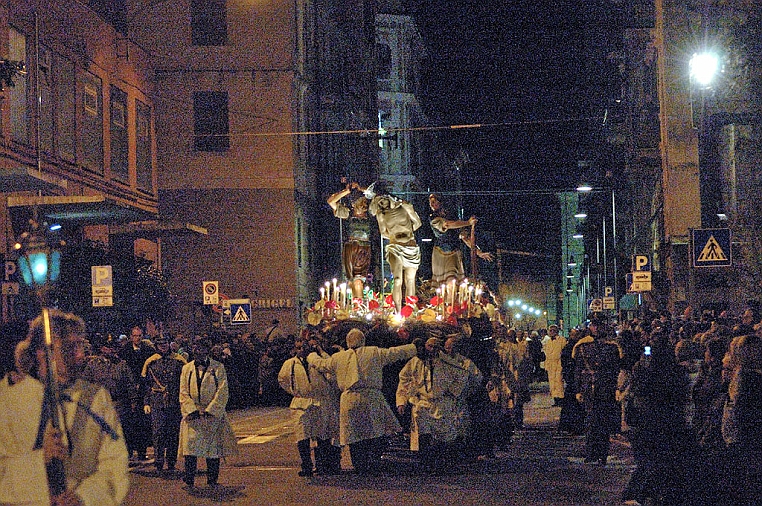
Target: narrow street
[539,468]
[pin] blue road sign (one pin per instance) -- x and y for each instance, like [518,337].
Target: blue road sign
[240,314]
[712,247]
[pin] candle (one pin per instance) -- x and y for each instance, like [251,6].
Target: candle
[322,293]
[335,293]
[327,290]
[343,295]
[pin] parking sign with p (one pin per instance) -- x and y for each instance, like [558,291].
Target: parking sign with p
[641,263]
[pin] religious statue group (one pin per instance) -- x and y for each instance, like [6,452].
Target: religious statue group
[397,222]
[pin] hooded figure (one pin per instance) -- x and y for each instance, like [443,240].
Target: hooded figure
[365,418]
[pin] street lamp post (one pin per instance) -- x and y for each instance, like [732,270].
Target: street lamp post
[40,266]
[584,188]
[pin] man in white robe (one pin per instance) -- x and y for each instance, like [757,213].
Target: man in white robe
[432,386]
[365,418]
[552,345]
[90,442]
[316,409]
[204,430]
[473,386]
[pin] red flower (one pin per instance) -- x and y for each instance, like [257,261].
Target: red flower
[389,300]
[436,300]
[373,304]
[331,304]
[411,299]
[406,311]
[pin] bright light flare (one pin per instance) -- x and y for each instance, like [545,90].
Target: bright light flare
[703,68]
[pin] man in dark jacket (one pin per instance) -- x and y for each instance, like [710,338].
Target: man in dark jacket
[162,402]
[597,362]
[109,370]
[137,427]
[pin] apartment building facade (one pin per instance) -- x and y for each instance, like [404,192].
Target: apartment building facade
[77,146]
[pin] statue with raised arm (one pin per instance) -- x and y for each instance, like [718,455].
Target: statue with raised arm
[446,256]
[397,222]
[356,254]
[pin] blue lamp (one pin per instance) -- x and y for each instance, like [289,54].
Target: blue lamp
[39,259]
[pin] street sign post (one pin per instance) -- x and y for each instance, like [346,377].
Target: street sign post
[712,247]
[639,281]
[102,285]
[236,312]
[641,263]
[211,292]
[10,279]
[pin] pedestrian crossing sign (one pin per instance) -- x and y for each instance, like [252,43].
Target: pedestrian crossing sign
[240,314]
[712,247]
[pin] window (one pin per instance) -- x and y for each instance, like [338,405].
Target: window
[46,100]
[209,23]
[119,146]
[91,99]
[90,129]
[17,94]
[384,62]
[66,101]
[144,147]
[210,121]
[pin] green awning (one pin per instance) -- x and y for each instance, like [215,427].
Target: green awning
[73,210]
[26,179]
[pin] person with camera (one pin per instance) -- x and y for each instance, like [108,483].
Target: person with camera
[669,466]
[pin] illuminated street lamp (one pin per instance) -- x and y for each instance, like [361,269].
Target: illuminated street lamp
[703,68]
[40,265]
[39,259]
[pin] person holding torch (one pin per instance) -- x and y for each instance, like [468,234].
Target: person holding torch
[61,442]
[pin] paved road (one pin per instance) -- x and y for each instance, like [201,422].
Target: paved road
[539,468]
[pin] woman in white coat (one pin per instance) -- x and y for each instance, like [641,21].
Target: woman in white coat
[205,430]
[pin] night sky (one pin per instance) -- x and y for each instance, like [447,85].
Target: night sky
[536,71]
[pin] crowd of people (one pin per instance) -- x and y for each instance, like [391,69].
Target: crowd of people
[687,395]
[79,409]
